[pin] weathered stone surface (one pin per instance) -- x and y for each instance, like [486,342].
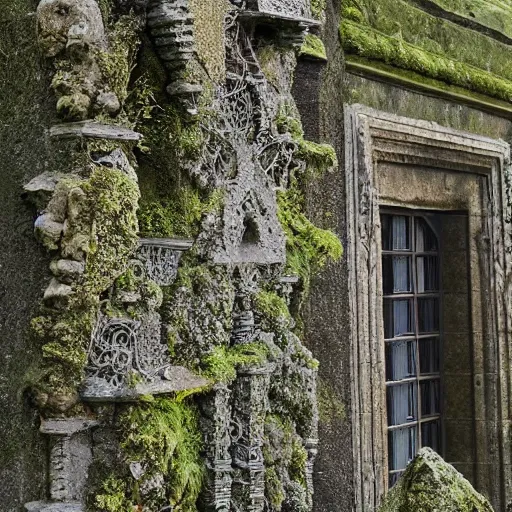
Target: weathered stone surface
[57,293]
[40,189]
[173,380]
[67,271]
[93,130]
[62,21]
[45,506]
[48,231]
[65,426]
[430,484]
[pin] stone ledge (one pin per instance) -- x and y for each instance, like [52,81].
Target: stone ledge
[66,427]
[286,20]
[176,379]
[93,130]
[48,506]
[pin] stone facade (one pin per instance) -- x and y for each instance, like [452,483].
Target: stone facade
[182,330]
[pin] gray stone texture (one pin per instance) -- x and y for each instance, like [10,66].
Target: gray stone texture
[26,153]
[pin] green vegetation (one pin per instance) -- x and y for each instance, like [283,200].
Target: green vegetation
[495,14]
[313,47]
[221,364]
[163,437]
[371,44]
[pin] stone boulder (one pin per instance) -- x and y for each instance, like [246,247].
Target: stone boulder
[429,484]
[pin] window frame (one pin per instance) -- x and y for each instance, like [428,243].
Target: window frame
[374,139]
[426,215]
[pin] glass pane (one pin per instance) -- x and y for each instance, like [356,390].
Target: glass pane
[401,447]
[429,355]
[431,435]
[428,273]
[396,274]
[428,314]
[395,232]
[430,397]
[398,317]
[402,403]
[426,239]
[400,360]
[393,478]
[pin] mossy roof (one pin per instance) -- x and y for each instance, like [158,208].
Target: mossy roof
[399,33]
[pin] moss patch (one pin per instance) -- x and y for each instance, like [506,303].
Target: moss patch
[313,48]
[369,43]
[163,437]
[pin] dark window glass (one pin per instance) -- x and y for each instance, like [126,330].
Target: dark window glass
[402,403]
[398,317]
[429,355]
[427,272]
[430,397]
[428,315]
[400,360]
[396,232]
[431,435]
[426,240]
[413,402]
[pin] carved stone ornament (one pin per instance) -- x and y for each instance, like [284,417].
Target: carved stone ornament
[70,458]
[245,155]
[296,8]
[127,359]
[158,258]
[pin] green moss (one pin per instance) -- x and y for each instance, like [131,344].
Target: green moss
[114,496]
[421,82]
[429,483]
[313,47]
[108,203]
[403,21]
[274,490]
[308,246]
[117,62]
[272,311]
[373,44]
[163,436]
[495,14]
[222,363]
[318,8]
[331,409]
[297,467]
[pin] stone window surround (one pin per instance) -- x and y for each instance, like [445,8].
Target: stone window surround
[373,140]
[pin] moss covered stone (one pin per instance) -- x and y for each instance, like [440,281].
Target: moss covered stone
[313,48]
[430,484]
[372,44]
[161,437]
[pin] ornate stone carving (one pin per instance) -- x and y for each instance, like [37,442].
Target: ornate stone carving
[172,30]
[158,258]
[299,8]
[245,155]
[72,32]
[215,423]
[247,429]
[70,458]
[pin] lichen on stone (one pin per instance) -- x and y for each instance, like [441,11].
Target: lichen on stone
[313,48]
[430,484]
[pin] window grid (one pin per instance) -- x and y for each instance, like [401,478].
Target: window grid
[422,386]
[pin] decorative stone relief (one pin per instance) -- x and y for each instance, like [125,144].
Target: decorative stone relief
[158,258]
[70,458]
[128,358]
[172,30]
[215,423]
[300,8]
[72,33]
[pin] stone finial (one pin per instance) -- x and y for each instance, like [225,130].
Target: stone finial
[429,483]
